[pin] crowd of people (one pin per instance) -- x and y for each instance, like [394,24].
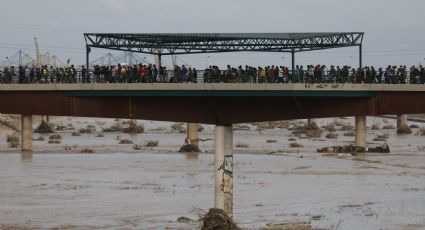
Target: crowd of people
[98,74]
[151,73]
[317,74]
[40,74]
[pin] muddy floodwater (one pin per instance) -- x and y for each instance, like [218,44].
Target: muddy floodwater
[152,189]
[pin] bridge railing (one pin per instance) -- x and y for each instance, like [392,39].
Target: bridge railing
[202,76]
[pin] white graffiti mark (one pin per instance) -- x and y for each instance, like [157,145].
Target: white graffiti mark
[227,177]
[227,165]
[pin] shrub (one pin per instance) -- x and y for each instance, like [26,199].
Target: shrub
[85,130]
[379,138]
[404,129]
[60,127]
[126,142]
[40,138]
[200,128]
[152,143]
[54,141]
[134,127]
[116,127]
[388,127]
[271,141]
[13,145]
[137,146]
[350,134]
[332,135]
[330,127]
[375,126]
[158,129]
[279,124]
[70,127]
[43,128]
[240,145]
[178,126]
[295,145]
[13,140]
[100,135]
[309,130]
[55,137]
[75,134]
[107,130]
[346,127]
[382,137]
[87,150]
[241,127]
[14,137]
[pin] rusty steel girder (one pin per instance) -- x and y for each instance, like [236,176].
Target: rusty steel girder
[209,109]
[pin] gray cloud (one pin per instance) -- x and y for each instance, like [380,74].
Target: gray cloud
[394,29]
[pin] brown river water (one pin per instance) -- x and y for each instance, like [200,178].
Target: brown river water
[151,189]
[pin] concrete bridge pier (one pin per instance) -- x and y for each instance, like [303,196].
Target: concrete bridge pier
[192,134]
[402,126]
[361,131]
[223,167]
[26,131]
[311,121]
[401,121]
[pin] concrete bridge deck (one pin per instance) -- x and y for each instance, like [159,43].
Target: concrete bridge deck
[212,103]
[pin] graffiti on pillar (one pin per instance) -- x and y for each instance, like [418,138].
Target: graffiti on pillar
[228,205]
[226,186]
[227,179]
[227,165]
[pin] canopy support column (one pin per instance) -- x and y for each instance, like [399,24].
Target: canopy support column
[293,63]
[87,61]
[360,56]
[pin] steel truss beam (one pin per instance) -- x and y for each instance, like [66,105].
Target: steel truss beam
[172,44]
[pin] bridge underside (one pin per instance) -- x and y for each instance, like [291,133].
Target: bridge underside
[220,110]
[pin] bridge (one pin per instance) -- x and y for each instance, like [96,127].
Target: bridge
[220,104]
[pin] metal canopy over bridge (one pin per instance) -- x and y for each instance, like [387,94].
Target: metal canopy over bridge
[191,43]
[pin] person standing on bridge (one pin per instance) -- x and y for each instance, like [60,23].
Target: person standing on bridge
[276,74]
[52,74]
[21,75]
[155,73]
[83,74]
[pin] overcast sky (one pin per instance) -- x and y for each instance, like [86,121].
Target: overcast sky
[394,29]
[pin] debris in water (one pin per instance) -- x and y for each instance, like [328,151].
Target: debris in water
[183,219]
[189,148]
[414,126]
[217,219]
[289,226]
[379,149]
[404,129]
[43,128]
[342,149]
